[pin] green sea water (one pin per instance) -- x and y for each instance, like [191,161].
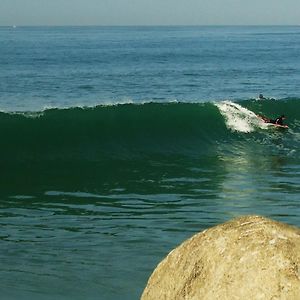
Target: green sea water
[118,143]
[93,198]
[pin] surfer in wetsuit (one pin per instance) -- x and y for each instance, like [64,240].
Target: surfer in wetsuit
[277,121]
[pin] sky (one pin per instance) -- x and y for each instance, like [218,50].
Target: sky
[149,12]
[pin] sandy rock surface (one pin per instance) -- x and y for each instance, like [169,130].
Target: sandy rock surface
[251,257]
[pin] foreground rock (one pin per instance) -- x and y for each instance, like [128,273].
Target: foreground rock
[248,258]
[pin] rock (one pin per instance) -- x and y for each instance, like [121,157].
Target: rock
[250,257]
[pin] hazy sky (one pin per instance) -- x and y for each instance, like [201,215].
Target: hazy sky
[149,12]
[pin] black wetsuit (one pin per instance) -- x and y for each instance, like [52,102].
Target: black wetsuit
[278,121]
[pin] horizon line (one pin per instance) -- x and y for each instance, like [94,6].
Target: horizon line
[158,25]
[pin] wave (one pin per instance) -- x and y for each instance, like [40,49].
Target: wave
[127,130]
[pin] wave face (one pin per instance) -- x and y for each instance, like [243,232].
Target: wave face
[90,145]
[119,131]
[131,129]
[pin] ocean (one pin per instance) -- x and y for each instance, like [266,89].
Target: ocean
[118,143]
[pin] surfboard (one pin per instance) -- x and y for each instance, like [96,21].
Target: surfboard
[277,125]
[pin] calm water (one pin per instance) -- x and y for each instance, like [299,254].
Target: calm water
[118,143]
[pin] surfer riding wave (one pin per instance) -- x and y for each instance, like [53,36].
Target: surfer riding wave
[277,121]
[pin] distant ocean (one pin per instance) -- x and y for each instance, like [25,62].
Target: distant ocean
[118,143]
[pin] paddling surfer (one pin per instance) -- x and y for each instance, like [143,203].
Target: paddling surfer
[277,121]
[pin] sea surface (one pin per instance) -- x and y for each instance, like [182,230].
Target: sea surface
[118,143]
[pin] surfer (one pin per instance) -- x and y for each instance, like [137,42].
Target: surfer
[261,97]
[277,121]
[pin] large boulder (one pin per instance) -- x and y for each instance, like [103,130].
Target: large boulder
[247,258]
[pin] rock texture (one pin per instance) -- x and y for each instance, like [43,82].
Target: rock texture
[247,258]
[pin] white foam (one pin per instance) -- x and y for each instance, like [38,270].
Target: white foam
[28,114]
[238,118]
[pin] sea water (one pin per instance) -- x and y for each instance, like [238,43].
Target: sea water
[118,143]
